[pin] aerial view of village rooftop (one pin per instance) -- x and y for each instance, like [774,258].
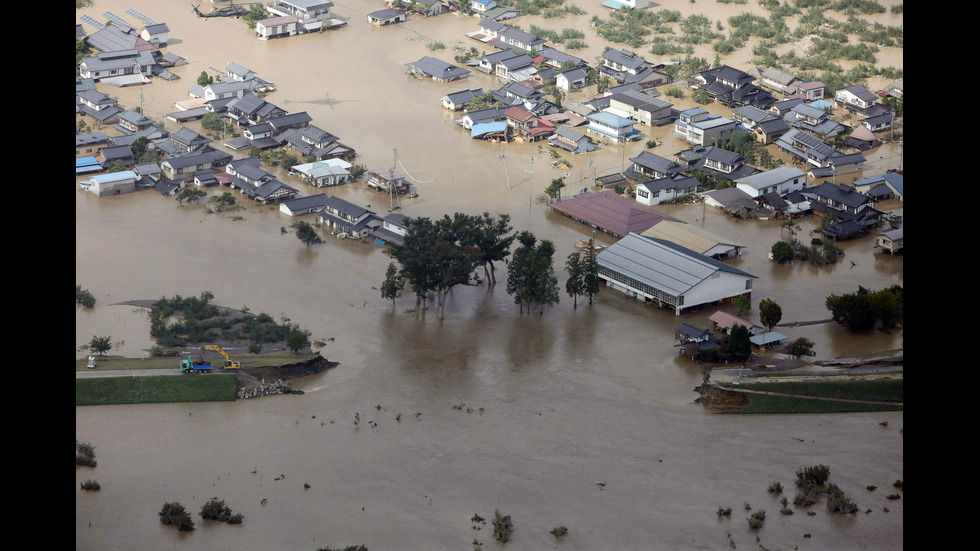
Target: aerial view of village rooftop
[481,274]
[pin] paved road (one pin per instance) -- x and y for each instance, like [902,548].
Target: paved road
[95,373]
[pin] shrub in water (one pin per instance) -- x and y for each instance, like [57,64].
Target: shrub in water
[502,526]
[173,513]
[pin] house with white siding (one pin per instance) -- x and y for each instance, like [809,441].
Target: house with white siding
[780,180]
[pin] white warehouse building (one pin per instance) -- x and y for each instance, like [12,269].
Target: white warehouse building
[670,275]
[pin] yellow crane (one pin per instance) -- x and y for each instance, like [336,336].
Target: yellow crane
[229,363]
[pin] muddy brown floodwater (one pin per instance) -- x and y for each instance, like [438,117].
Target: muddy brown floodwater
[581,417]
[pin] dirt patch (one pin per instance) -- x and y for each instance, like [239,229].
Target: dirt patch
[254,376]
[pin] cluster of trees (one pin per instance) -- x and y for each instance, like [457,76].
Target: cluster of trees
[864,310]
[437,255]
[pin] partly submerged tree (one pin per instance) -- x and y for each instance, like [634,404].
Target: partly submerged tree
[489,239]
[590,271]
[393,284]
[770,313]
[575,284]
[100,344]
[530,275]
[437,256]
[307,233]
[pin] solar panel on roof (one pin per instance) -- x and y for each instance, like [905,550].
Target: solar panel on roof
[140,16]
[92,21]
[118,21]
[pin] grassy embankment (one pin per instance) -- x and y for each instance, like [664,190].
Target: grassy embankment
[823,396]
[213,387]
[209,387]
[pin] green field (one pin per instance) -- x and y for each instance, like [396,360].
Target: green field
[824,396]
[211,387]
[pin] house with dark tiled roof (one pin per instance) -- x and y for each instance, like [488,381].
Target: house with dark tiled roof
[185,167]
[856,99]
[457,101]
[626,67]
[89,143]
[133,121]
[853,211]
[346,217]
[649,166]
[438,70]
[99,106]
[303,205]
[814,120]
[251,109]
[732,87]
[188,140]
[719,163]
[815,152]
[571,140]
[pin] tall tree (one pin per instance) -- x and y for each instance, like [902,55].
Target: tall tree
[490,238]
[393,284]
[435,257]
[575,285]
[100,344]
[530,274]
[590,271]
[770,313]
[413,255]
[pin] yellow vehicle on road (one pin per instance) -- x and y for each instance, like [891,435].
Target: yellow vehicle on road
[229,363]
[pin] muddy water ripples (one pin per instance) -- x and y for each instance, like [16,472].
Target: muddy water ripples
[581,417]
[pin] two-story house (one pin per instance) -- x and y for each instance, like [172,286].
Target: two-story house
[780,180]
[641,107]
[699,127]
[814,120]
[346,217]
[648,166]
[856,99]
[250,109]
[732,87]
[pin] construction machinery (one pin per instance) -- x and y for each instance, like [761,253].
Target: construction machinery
[229,363]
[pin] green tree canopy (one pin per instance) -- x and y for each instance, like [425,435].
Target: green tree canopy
[307,233]
[770,313]
[530,275]
[100,344]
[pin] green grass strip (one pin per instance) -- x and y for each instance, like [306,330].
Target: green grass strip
[210,387]
[767,403]
[886,390]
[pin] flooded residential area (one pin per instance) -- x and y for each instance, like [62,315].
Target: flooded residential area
[582,415]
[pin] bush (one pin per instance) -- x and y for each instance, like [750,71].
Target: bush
[84,297]
[559,531]
[84,454]
[91,485]
[502,526]
[815,475]
[838,502]
[215,509]
[174,514]
[776,487]
[757,519]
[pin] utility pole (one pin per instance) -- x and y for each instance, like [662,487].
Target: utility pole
[530,199]
[506,175]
